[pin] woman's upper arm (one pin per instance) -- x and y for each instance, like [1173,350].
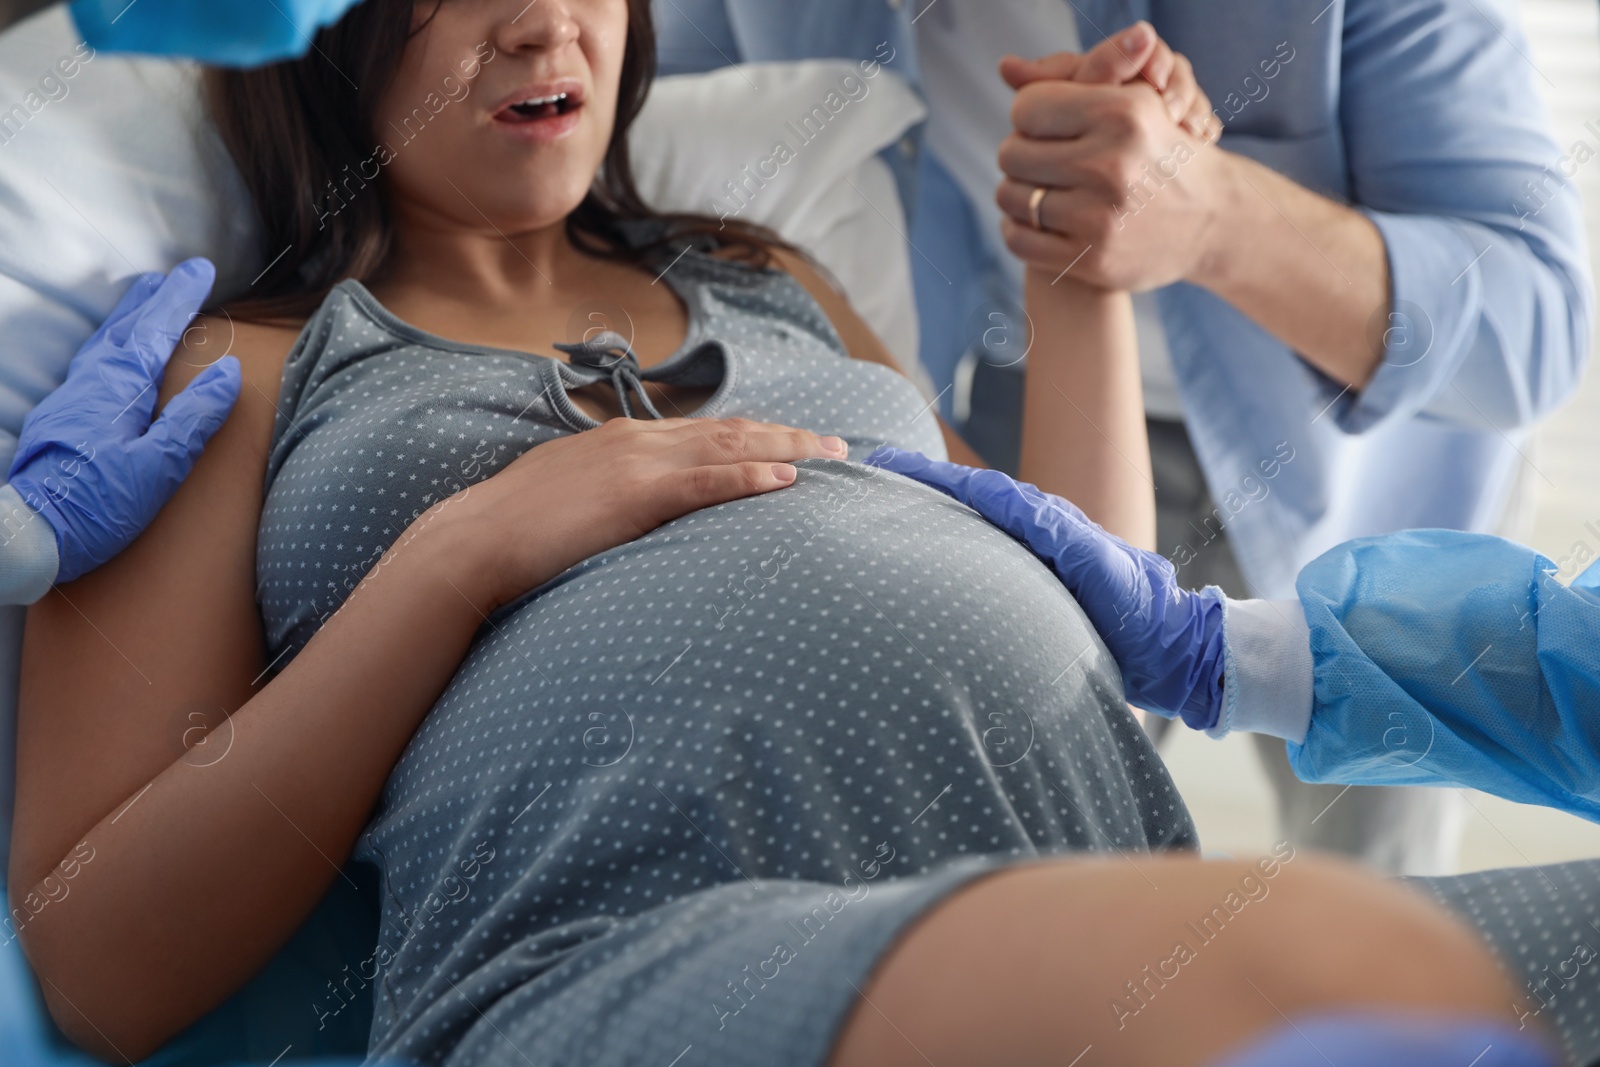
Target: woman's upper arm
[121,664]
[859,339]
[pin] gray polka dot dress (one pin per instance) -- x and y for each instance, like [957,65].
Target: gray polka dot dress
[1544,925]
[678,801]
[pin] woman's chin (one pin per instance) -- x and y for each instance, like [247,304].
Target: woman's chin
[511,199]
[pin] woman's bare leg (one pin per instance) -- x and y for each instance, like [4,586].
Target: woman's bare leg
[1038,963]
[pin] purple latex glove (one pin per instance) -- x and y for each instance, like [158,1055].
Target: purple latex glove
[1167,640]
[1352,1040]
[89,460]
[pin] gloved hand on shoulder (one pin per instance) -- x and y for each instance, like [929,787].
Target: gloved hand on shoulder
[89,459]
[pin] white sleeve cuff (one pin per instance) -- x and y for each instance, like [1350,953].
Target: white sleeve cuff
[1267,665]
[28,555]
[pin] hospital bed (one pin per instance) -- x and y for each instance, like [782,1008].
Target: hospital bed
[111,170]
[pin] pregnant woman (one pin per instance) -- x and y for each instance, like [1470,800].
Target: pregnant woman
[672,739]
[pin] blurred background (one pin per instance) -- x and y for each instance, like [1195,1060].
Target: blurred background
[1222,780]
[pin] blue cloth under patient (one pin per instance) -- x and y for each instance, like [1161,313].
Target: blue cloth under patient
[686,793]
[1354,1040]
[310,1000]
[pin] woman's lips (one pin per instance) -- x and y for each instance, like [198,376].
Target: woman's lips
[543,129]
[543,112]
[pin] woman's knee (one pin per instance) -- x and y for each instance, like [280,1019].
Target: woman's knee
[1344,936]
[1168,959]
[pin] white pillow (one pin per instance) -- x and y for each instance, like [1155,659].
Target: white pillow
[794,146]
[115,176]
[108,169]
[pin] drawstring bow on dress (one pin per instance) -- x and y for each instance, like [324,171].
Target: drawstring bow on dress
[609,352]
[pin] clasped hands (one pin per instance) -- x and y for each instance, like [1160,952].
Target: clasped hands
[1111,175]
[1110,171]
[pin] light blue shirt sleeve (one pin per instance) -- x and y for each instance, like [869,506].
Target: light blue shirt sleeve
[1451,158]
[29,558]
[1448,658]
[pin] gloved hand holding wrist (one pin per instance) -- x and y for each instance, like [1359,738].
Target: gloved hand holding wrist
[1167,640]
[89,459]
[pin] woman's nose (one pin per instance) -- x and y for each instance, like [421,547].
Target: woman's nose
[541,24]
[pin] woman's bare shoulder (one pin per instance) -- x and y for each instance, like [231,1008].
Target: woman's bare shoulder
[260,347]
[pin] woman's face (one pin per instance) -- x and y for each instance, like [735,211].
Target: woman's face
[501,110]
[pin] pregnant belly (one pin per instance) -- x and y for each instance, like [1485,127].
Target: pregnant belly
[855,614]
[848,669]
[851,674]
[852,585]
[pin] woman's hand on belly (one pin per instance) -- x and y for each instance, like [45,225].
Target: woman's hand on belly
[571,498]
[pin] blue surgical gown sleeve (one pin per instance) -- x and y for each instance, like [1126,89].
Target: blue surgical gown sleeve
[1442,658]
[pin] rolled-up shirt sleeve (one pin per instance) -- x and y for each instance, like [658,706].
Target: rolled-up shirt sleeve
[1452,158]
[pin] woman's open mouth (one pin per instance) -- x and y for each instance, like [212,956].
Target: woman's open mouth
[542,113]
[541,107]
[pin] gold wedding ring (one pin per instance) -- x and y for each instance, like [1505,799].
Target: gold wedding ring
[1035,202]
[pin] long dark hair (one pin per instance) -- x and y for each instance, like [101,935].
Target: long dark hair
[298,130]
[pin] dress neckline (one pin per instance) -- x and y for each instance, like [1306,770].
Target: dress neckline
[556,375]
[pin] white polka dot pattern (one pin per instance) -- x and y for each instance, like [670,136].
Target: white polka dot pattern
[1544,924]
[668,759]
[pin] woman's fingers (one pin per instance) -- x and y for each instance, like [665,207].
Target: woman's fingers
[624,479]
[738,441]
[1201,119]
[698,442]
[1188,104]
[1120,57]
[1046,251]
[692,488]
[1178,87]
[1136,54]
[1158,70]
[695,463]
[1061,66]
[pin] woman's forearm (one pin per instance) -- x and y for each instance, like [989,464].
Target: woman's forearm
[202,875]
[1083,429]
